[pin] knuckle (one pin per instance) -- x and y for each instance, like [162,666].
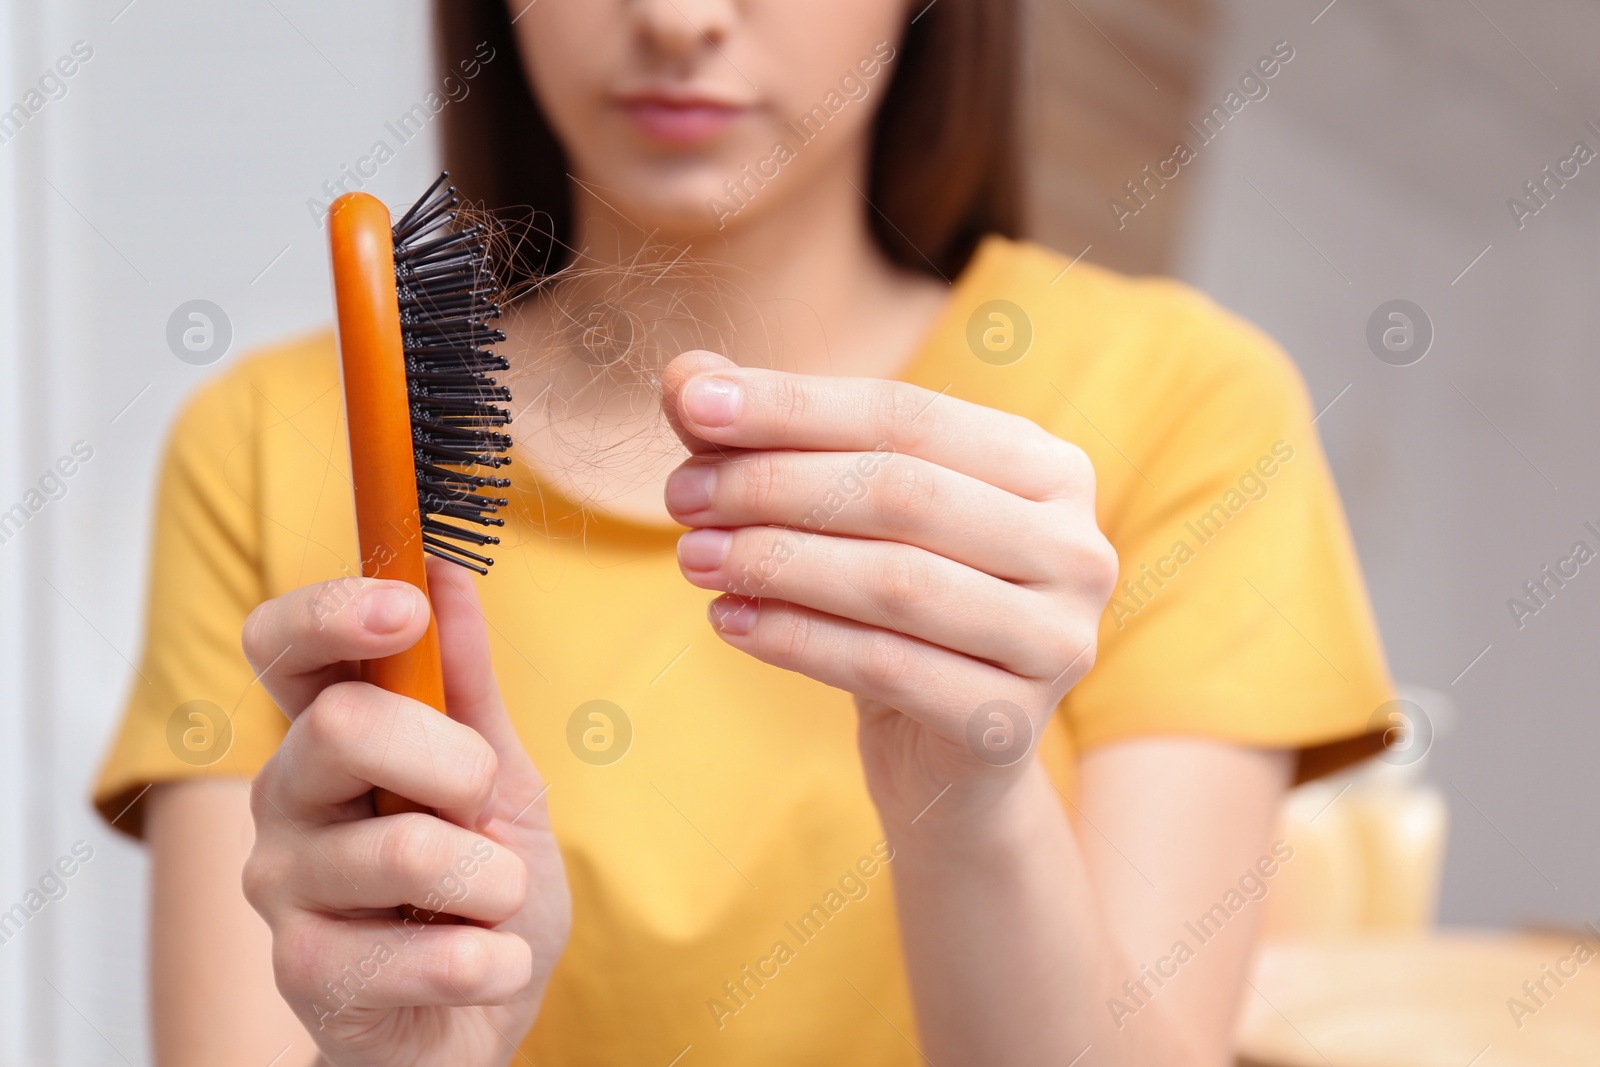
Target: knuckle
[794,635]
[907,494]
[511,880]
[469,964]
[298,957]
[265,780]
[1068,470]
[408,845]
[1074,552]
[521,878]
[1086,562]
[757,556]
[901,408]
[1078,654]
[1072,649]
[258,879]
[1104,568]
[1072,458]
[886,660]
[484,769]
[311,610]
[333,718]
[1026,429]
[788,399]
[906,585]
[1075,467]
[761,481]
[1066,646]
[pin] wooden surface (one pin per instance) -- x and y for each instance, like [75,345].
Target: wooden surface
[1437,1000]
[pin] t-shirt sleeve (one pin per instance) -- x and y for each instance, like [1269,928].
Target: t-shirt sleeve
[1240,611]
[196,708]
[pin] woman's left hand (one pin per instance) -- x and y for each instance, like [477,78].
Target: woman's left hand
[937,559]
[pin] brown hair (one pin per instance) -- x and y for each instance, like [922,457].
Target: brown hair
[945,165]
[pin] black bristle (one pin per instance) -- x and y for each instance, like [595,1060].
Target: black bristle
[447,291]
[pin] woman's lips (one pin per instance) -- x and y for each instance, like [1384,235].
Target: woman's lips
[680,123]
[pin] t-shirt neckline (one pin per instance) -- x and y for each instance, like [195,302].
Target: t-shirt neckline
[927,349]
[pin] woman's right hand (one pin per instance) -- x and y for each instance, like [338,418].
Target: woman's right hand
[329,878]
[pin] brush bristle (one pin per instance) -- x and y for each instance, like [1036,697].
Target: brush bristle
[447,292]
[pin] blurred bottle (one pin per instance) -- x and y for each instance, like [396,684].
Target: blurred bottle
[1323,888]
[1402,832]
[1368,843]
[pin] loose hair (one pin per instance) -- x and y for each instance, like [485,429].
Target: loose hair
[945,167]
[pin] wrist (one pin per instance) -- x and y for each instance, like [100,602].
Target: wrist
[981,821]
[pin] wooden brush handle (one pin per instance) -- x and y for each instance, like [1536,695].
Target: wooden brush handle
[388,520]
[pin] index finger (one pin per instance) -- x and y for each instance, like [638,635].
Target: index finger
[731,407]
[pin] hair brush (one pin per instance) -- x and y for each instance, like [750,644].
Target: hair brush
[415,300]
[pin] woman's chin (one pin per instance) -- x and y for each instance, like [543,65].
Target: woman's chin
[676,214]
[680,196]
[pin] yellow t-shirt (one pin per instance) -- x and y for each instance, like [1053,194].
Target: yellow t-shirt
[730,889]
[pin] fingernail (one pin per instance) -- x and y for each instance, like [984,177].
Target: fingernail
[711,401]
[704,550]
[736,617]
[689,488]
[387,610]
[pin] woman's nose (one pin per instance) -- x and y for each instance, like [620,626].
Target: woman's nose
[681,27]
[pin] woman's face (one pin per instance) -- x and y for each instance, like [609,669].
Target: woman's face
[695,115]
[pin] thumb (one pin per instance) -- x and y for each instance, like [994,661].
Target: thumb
[673,379]
[471,693]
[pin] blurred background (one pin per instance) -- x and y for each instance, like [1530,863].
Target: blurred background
[186,155]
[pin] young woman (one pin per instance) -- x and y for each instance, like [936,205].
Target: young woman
[916,789]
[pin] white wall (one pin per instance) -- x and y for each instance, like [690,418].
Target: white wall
[181,158]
